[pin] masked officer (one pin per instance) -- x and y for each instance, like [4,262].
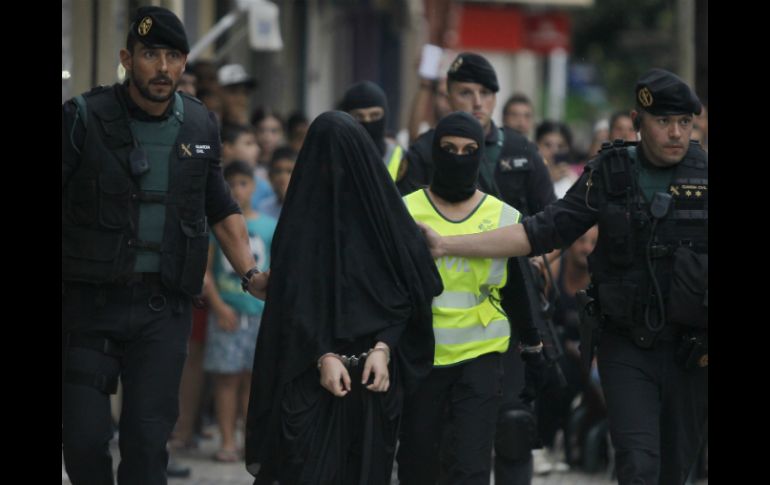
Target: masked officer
[470,321]
[141,189]
[513,171]
[366,102]
[649,292]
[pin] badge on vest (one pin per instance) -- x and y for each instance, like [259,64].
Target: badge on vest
[688,191]
[508,164]
[194,150]
[486,225]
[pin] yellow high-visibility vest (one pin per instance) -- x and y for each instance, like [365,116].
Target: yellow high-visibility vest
[392,159]
[467,318]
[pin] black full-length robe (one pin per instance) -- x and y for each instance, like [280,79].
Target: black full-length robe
[349,267]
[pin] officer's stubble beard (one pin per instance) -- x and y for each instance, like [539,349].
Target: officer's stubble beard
[144,91]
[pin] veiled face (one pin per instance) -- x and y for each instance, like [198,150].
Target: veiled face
[367,115]
[458,145]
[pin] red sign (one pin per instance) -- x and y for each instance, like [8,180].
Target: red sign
[546,32]
[491,28]
[506,28]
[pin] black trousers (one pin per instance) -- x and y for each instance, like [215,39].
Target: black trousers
[657,410]
[472,391]
[154,343]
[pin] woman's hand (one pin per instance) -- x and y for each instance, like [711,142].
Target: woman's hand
[377,364]
[334,375]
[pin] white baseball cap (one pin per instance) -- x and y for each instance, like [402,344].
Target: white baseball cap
[232,74]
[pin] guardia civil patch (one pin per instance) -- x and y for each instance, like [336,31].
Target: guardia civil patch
[194,150]
[688,191]
[508,164]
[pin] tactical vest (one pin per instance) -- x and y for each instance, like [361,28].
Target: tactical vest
[621,280]
[467,318]
[393,155]
[102,201]
[506,170]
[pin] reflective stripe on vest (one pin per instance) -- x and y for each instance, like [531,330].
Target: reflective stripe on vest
[392,159]
[466,322]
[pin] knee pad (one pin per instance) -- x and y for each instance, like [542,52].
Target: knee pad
[96,366]
[516,434]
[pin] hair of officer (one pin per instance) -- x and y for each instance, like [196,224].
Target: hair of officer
[238,167]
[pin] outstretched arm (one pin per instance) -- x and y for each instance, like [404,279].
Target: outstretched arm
[504,242]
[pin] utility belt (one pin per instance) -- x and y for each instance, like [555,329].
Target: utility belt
[122,293]
[669,333]
[658,251]
[691,343]
[150,279]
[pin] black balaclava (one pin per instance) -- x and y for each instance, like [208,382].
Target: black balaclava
[454,178]
[366,94]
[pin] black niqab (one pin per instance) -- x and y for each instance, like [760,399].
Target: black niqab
[347,261]
[367,94]
[455,176]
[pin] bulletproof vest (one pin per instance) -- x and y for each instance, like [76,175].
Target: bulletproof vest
[511,163]
[621,281]
[102,201]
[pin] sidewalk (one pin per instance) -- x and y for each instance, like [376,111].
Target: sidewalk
[205,471]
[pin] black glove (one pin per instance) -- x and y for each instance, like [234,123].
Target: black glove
[535,366]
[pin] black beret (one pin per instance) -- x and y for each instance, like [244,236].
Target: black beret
[473,68]
[660,92]
[159,27]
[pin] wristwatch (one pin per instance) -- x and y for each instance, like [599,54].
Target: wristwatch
[247,277]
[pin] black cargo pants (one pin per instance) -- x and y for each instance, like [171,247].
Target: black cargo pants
[146,329]
[657,410]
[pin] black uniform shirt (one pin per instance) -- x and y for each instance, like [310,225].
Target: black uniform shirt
[219,203]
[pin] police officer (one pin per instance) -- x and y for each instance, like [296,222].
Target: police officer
[367,103]
[512,170]
[141,186]
[649,278]
[470,321]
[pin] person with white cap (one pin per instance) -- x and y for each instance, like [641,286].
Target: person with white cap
[237,85]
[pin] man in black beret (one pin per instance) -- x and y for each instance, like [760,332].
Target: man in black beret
[142,190]
[649,279]
[512,170]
